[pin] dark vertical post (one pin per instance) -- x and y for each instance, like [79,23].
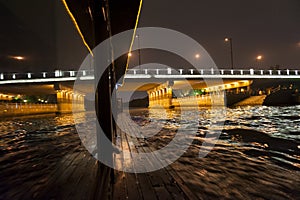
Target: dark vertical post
[139,50]
[228,39]
[103,103]
[103,110]
[231,52]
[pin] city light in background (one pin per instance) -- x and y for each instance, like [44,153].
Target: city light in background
[259,57]
[18,57]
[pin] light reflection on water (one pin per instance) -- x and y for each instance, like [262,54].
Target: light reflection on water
[268,124]
[257,155]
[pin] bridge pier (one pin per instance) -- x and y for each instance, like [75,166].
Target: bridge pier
[161,96]
[68,101]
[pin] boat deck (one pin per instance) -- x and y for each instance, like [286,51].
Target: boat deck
[162,184]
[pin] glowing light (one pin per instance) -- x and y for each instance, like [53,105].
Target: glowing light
[103,12]
[197,56]
[18,57]
[259,57]
[43,80]
[90,12]
[227,39]
[129,54]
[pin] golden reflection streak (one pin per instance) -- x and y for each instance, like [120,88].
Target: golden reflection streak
[77,26]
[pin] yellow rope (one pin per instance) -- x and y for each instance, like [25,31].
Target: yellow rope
[83,39]
[133,36]
[77,27]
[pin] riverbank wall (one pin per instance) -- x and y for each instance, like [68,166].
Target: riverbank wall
[18,109]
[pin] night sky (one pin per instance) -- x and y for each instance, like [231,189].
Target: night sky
[41,31]
[267,27]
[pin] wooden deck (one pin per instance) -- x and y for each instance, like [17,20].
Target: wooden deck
[162,184]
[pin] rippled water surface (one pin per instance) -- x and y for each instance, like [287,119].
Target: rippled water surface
[31,149]
[257,155]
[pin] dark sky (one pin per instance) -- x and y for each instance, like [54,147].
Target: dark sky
[41,31]
[267,27]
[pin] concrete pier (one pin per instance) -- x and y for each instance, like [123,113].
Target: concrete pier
[161,96]
[67,102]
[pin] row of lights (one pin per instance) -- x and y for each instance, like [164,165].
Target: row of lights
[68,92]
[197,56]
[5,96]
[10,97]
[227,39]
[228,86]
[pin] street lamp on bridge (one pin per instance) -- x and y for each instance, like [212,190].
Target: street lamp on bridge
[139,50]
[228,39]
[258,59]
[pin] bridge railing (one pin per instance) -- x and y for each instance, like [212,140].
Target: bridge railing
[166,71]
[42,75]
[241,72]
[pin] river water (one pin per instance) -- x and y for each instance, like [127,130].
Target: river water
[257,155]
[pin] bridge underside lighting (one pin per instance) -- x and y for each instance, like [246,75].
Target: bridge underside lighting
[228,86]
[6,96]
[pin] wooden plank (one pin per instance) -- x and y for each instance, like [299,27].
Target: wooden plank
[133,190]
[119,187]
[146,187]
[180,182]
[162,184]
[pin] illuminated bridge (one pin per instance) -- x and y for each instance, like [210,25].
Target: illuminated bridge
[167,73]
[161,84]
